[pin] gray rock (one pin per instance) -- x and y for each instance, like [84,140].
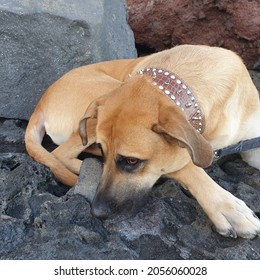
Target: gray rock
[12,135]
[255,75]
[90,173]
[257,66]
[40,42]
[41,219]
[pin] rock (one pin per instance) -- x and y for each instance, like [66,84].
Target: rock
[255,75]
[162,24]
[90,173]
[257,66]
[37,223]
[12,135]
[40,42]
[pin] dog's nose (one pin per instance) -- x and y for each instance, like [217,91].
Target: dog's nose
[100,211]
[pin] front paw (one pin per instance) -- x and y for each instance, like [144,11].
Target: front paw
[232,218]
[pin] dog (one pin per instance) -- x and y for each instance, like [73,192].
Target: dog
[149,117]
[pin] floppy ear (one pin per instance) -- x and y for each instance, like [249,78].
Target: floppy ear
[173,124]
[87,125]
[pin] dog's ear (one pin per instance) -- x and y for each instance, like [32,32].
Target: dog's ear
[173,124]
[87,125]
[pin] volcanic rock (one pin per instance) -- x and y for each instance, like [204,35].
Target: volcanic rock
[230,24]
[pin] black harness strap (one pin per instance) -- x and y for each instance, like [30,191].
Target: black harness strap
[241,146]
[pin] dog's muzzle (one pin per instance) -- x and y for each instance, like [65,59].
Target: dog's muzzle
[103,206]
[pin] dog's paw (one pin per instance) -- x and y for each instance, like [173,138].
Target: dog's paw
[233,218]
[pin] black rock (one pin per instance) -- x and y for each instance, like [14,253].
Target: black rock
[39,42]
[38,222]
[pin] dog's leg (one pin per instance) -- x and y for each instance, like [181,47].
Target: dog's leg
[68,152]
[229,214]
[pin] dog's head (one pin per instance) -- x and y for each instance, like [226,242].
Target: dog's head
[142,136]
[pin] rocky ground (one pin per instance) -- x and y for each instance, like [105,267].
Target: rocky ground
[42,219]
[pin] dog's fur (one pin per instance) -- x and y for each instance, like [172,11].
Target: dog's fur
[142,135]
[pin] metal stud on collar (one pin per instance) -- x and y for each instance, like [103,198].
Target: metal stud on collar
[178,91]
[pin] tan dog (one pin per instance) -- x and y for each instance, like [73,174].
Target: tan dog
[143,134]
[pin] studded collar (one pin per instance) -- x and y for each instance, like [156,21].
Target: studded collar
[178,91]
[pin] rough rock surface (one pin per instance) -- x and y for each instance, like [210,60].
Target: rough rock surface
[41,40]
[42,219]
[231,24]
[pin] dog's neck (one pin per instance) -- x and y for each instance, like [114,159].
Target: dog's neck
[178,91]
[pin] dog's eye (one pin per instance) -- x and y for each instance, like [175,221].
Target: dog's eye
[128,164]
[132,161]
